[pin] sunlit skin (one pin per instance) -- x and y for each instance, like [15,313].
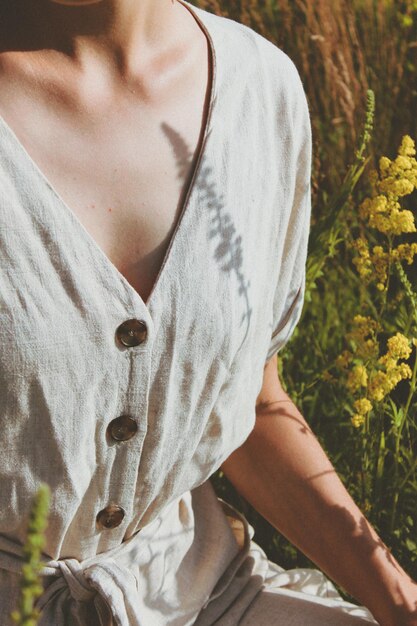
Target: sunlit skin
[106,98]
[113,51]
[282,470]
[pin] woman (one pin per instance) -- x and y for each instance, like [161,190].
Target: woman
[155,204]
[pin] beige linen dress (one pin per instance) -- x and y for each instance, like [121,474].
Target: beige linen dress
[124,407]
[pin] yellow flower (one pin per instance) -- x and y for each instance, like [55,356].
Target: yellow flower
[357,420]
[399,188]
[389,362]
[381,383]
[379,375]
[373,206]
[368,349]
[405,370]
[403,162]
[357,378]
[363,261]
[396,223]
[365,325]
[384,164]
[399,346]
[363,336]
[360,319]
[380,262]
[362,406]
[407,146]
[378,386]
[382,211]
[405,252]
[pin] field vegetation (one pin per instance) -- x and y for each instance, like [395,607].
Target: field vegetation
[356,382]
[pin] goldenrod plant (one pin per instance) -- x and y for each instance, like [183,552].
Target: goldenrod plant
[31,586]
[365,389]
[376,361]
[351,364]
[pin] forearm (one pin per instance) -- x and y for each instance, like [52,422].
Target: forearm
[284,473]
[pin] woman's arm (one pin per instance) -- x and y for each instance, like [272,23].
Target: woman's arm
[283,472]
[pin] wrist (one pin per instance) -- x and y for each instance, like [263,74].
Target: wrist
[400,605]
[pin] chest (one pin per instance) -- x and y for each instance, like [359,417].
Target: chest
[124,172]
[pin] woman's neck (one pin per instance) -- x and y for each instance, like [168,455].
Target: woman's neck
[124,35]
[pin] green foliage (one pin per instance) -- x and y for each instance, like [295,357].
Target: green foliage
[325,235]
[375,452]
[31,585]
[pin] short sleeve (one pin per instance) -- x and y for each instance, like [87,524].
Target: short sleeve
[290,288]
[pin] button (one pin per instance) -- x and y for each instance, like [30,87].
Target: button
[132,332]
[122,428]
[110,517]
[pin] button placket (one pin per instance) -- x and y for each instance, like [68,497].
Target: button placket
[127,430]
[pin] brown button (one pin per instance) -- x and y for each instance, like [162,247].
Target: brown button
[110,517]
[132,332]
[122,428]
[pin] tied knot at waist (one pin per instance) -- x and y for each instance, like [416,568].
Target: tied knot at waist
[100,591]
[71,575]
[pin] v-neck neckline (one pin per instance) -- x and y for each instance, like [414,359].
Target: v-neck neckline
[88,238]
